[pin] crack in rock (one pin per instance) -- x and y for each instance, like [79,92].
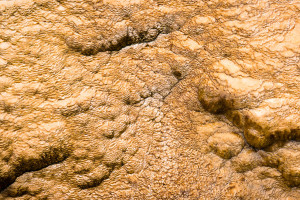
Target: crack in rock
[126,35]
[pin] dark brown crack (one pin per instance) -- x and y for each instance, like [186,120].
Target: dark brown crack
[49,157]
[127,36]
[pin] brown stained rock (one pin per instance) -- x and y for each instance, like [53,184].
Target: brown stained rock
[226,145]
[140,99]
[286,160]
[246,160]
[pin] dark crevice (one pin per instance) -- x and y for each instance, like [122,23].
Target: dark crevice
[126,37]
[116,43]
[54,156]
[177,74]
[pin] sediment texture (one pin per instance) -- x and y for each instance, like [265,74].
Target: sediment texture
[149,99]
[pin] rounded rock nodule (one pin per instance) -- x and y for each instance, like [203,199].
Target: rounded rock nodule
[226,145]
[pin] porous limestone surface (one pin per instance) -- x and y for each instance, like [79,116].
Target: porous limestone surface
[136,99]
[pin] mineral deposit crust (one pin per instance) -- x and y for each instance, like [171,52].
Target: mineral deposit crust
[136,99]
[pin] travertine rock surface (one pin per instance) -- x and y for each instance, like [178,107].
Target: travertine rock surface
[136,99]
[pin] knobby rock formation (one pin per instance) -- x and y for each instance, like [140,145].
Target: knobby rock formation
[139,99]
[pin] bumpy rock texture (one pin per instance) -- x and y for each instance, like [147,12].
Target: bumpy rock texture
[136,99]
